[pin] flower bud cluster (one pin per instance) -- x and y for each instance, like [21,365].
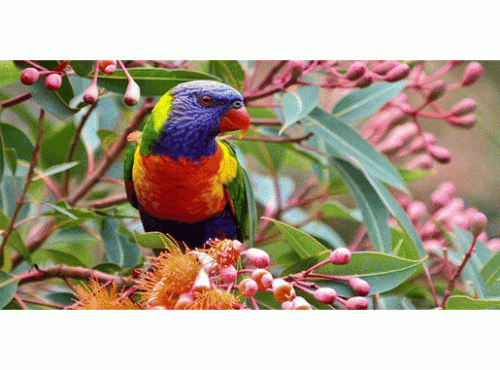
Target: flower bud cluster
[53,79]
[395,131]
[445,211]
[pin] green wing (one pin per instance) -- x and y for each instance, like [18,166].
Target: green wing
[240,191]
[127,174]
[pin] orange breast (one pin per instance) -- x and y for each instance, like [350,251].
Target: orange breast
[183,190]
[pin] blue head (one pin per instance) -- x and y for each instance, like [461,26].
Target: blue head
[200,111]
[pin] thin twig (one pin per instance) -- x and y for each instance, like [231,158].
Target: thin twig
[72,147]
[105,202]
[274,139]
[29,177]
[16,100]
[453,280]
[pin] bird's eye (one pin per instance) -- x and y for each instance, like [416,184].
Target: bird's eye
[237,104]
[206,100]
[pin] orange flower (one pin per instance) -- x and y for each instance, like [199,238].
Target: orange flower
[97,297]
[172,274]
[214,300]
[225,252]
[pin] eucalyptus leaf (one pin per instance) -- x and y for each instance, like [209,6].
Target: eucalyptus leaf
[8,287]
[82,67]
[60,257]
[15,241]
[230,71]
[362,102]
[297,104]
[8,72]
[18,140]
[345,141]
[456,302]
[375,215]
[118,248]
[490,273]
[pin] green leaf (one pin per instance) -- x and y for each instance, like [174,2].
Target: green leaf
[304,245]
[491,275]
[17,139]
[152,81]
[347,142]
[107,138]
[2,150]
[8,287]
[382,271]
[230,71]
[59,168]
[457,302]
[8,72]
[333,209]
[398,212]
[271,155]
[59,257]
[82,67]
[375,215]
[11,155]
[54,102]
[410,175]
[15,241]
[118,248]
[297,104]
[64,298]
[252,209]
[153,240]
[108,268]
[363,102]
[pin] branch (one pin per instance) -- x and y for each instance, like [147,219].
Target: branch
[63,271]
[29,177]
[105,202]
[453,280]
[73,145]
[16,100]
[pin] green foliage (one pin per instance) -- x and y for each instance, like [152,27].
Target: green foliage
[229,71]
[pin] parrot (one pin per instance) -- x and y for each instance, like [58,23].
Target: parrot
[184,180]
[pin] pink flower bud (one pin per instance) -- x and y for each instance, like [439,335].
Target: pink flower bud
[296,67]
[465,121]
[359,286]
[282,290]
[263,278]
[357,303]
[433,244]
[228,274]
[428,230]
[472,72]
[340,256]
[185,301]
[483,237]
[404,201]
[287,305]
[300,303]
[364,81]
[464,106]
[437,89]
[454,63]
[202,281]
[460,221]
[132,94]
[325,295]
[248,287]
[356,70]
[493,244]
[107,66]
[440,154]
[397,73]
[442,195]
[385,66]
[257,257]
[53,81]
[29,76]
[91,94]
[423,161]
[417,144]
[416,211]
[477,223]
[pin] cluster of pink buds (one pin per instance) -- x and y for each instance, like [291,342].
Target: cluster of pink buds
[395,129]
[446,210]
[219,272]
[132,93]
[53,78]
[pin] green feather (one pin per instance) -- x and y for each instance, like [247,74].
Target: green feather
[241,194]
[129,161]
[155,123]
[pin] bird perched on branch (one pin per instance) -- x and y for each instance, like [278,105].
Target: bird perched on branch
[183,180]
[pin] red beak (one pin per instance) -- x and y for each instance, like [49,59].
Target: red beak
[235,119]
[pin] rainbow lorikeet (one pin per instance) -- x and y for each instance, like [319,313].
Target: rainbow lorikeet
[183,180]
